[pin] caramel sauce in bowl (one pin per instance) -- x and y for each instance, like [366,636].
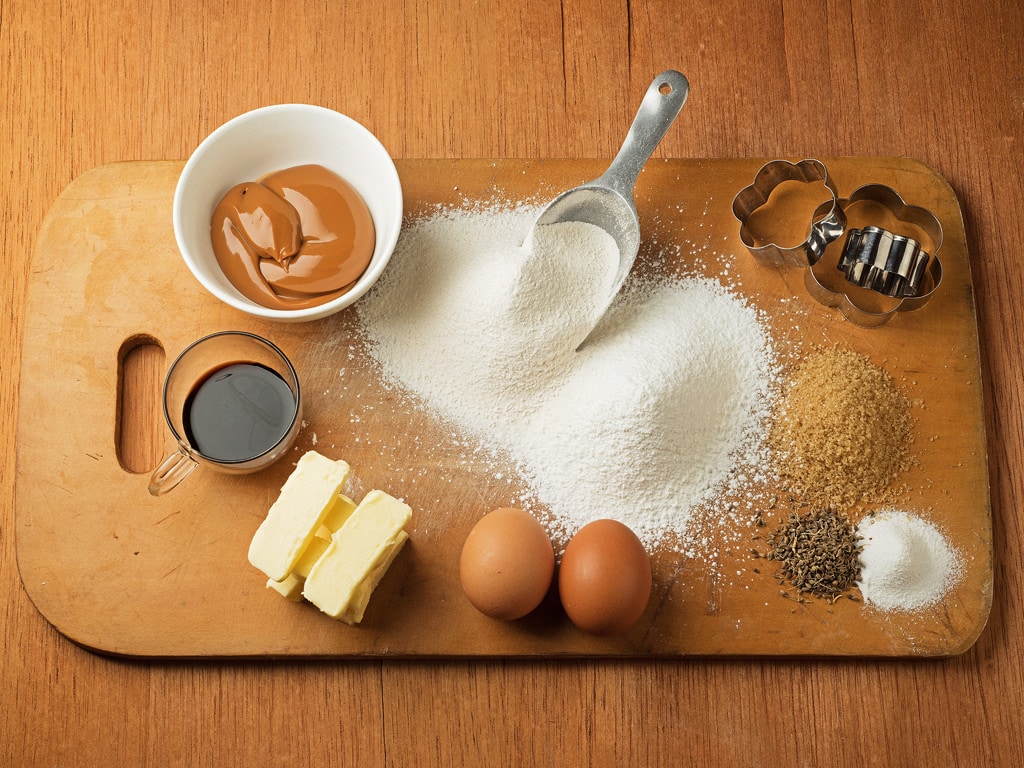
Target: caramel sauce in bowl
[289,212]
[296,238]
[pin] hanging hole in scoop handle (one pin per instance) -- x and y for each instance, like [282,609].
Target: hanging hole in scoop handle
[659,108]
[171,472]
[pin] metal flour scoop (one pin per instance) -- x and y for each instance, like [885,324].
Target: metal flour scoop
[607,201]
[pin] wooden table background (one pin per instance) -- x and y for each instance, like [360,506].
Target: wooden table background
[87,82]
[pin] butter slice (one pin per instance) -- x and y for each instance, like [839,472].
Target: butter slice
[307,498]
[361,551]
[290,587]
[341,510]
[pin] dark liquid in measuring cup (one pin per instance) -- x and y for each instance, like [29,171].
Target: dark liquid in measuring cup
[238,412]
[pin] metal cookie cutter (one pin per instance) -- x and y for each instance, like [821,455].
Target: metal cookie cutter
[887,263]
[890,264]
[826,225]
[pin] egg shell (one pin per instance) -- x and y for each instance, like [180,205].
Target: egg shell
[507,564]
[604,578]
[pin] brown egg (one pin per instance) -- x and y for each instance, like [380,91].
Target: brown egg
[507,564]
[604,579]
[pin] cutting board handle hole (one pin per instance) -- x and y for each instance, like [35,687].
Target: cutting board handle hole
[139,423]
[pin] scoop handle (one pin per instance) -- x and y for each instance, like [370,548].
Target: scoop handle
[662,102]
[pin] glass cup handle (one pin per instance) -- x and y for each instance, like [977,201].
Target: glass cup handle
[171,471]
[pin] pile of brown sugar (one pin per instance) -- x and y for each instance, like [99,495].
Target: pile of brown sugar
[842,431]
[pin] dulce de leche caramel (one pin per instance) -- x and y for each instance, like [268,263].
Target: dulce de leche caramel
[294,238]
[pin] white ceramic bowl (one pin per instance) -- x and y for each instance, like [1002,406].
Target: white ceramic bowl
[269,139]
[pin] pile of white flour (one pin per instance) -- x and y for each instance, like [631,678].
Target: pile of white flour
[648,419]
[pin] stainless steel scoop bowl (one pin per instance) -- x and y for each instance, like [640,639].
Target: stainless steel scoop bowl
[607,201]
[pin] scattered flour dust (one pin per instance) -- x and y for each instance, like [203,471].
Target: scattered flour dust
[661,408]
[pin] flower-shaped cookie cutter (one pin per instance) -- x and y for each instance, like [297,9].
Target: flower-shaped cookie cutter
[827,224]
[891,264]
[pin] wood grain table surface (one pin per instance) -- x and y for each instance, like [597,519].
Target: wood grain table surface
[89,82]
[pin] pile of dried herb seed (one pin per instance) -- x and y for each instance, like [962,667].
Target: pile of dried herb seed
[819,552]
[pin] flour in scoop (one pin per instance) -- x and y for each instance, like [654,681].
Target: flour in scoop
[655,414]
[480,327]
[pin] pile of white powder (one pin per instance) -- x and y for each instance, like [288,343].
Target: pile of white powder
[906,562]
[661,407]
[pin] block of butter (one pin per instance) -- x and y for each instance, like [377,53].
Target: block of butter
[361,551]
[306,499]
[318,544]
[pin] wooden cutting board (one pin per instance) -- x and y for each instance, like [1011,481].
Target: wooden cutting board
[111,303]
